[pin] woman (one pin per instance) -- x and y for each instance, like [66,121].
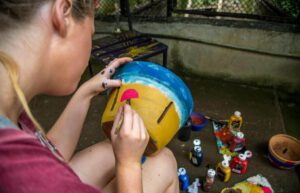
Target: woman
[44,49]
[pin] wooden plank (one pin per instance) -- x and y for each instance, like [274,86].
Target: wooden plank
[139,52]
[115,39]
[120,46]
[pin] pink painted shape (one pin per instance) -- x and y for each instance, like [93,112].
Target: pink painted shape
[266,189]
[129,94]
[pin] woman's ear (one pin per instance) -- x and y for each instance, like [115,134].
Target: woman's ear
[61,15]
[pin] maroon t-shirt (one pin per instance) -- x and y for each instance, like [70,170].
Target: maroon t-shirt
[27,166]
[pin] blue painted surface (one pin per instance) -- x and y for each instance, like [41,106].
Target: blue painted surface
[280,164]
[155,75]
[199,127]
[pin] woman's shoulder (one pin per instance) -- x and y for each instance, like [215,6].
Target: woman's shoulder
[10,133]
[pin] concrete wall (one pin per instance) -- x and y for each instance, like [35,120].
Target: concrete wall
[248,55]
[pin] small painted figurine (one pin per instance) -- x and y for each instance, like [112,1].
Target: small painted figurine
[237,143]
[209,180]
[240,163]
[196,155]
[235,122]
[183,179]
[223,170]
[193,188]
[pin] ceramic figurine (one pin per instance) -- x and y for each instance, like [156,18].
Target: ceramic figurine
[183,179]
[240,163]
[193,188]
[164,102]
[235,122]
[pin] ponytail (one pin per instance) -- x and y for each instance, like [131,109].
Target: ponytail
[13,71]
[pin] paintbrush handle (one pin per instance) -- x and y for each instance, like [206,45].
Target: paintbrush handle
[122,119]
[120,123]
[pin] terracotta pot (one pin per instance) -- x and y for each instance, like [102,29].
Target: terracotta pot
[284,151]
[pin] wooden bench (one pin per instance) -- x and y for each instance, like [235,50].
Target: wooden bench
[126,44]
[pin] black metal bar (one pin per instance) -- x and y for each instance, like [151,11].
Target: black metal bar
[237,15]
[165,58]
[146,7]
[123,8]
[169,8]
[273,8]
[174,4]
[298,17]
[128,15]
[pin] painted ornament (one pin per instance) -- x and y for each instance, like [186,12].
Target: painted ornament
[159,96]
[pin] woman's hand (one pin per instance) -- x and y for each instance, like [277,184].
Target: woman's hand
[101,81]
[129,143]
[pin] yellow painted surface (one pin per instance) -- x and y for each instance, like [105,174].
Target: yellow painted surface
[150,105]
[248,187]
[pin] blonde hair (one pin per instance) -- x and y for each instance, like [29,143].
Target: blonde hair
[13,72]
[13,13]
[16,12]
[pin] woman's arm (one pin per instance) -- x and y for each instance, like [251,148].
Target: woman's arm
[129,145]
[129,179]
[66,131]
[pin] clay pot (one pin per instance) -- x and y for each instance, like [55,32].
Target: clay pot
[284,151]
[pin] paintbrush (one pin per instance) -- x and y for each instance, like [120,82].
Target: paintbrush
[215,120]
[127,95]
[120,123]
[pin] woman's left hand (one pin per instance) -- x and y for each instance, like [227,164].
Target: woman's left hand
[102,81]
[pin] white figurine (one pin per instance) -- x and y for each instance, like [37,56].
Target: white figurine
[193,188]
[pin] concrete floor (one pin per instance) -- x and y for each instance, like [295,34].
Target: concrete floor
[265,114]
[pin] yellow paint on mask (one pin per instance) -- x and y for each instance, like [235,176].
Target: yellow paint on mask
[150,105]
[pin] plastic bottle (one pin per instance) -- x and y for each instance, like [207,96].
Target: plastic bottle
[235,122]
[196,155]
[209,180]
[183,179]
[240,163]
[223,170]
[237,143]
